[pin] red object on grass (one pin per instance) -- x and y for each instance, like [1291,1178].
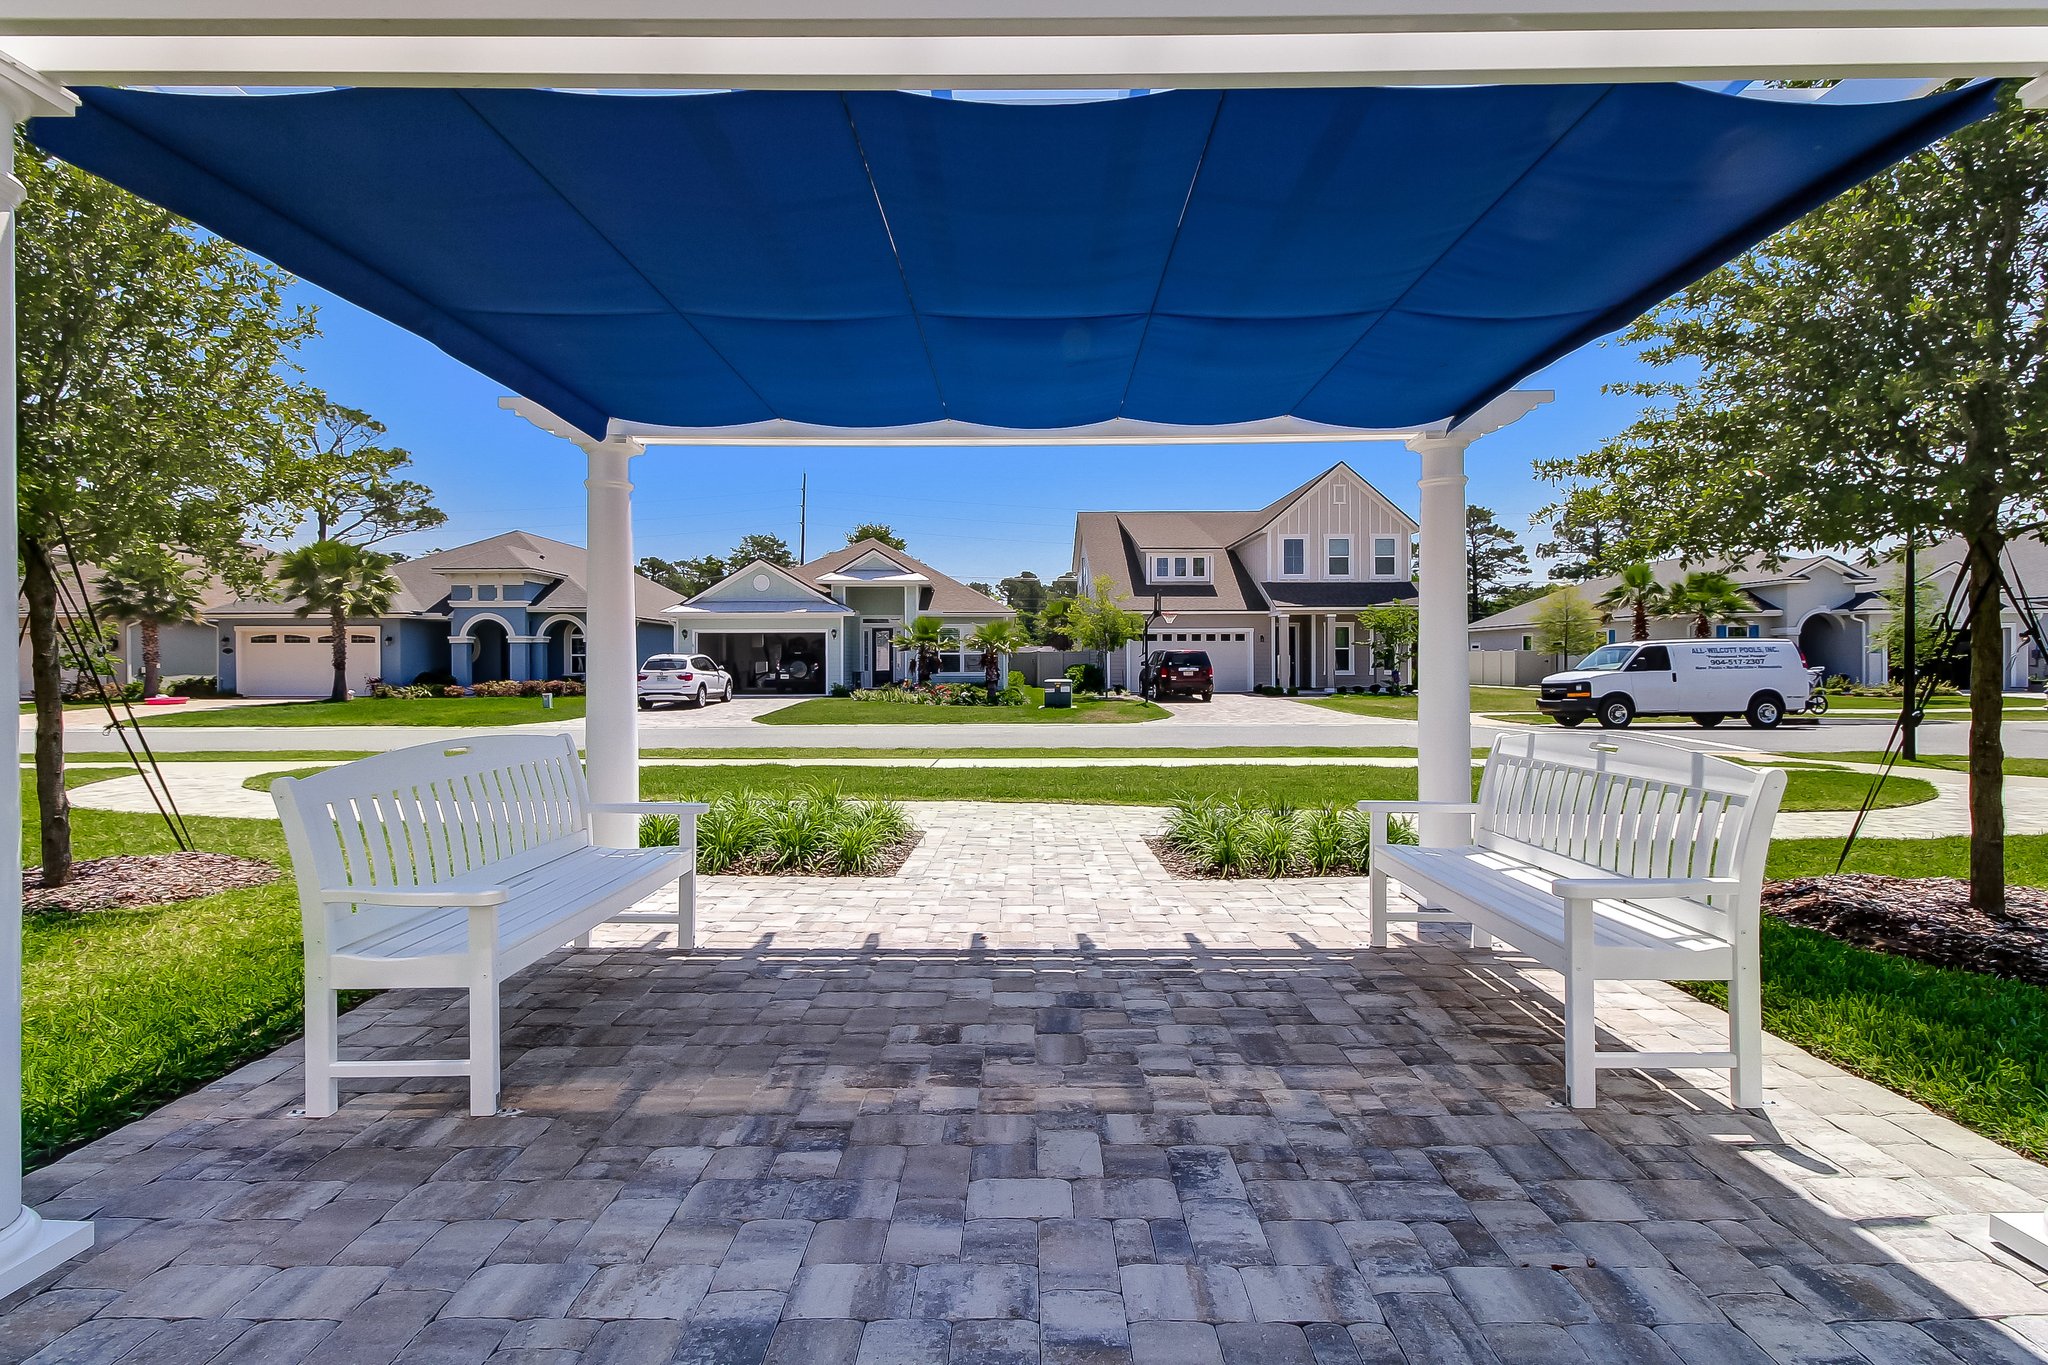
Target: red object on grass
[165,701]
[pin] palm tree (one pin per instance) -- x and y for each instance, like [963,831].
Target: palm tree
[995,639]
[1640,594]
[342,581]
[153,588]
[1707,596]
[923,641]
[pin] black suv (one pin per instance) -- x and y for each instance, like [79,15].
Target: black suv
[1178,673]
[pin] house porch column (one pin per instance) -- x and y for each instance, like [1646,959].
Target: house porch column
[30,1245]
[611,725]
[1443,702]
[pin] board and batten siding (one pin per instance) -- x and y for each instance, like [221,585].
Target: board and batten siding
[1319,514]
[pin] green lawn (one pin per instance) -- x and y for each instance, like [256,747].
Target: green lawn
[847,711]
[1955,763]
[1488,700]
[1147,786]
[380,711]
[124,1010]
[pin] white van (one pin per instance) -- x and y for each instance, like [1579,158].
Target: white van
[1709,680]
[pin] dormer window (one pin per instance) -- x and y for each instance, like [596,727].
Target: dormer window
[1180,568]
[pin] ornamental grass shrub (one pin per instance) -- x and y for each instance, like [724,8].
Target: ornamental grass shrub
[1234,838]
[810,831]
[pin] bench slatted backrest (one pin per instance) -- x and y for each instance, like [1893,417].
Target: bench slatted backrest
[1632,807]
[432,813]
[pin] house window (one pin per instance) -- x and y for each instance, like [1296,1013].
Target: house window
[262,639]
[362,639]
[1342,648]
[953,656]
[1528,642]
[1384,564]
[298,639]
[1339,556]
[1612,636]
[1180,568]
[1294,556]
[578,653]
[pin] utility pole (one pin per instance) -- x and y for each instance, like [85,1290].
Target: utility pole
[1909,710]
[803,518]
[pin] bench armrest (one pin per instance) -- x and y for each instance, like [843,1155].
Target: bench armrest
[1605,888]
[421,898]
[648,807]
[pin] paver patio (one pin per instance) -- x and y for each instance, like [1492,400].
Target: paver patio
[1032,1100]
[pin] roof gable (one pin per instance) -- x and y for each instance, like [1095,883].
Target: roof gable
[783,585]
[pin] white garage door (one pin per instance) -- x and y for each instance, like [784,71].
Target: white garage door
[300,663]
[1230,654]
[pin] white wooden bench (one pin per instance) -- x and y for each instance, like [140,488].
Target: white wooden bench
[1605,860]
[455,866]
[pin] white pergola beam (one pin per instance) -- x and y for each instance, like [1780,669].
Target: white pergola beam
[1034,61]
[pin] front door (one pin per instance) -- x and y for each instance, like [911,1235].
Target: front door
[881,656]
[1295,659]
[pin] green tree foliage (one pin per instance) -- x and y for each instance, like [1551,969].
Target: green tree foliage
[353,488]
[1640,595]
[1498,563]
[1706,597]
[773,549]
[1392,630]
[1583,541]
[685,576]
[1877,370]
[1025,592]
[1052,624]
[875,530]
[922,640]
[1927,625]
[158,405]
[1101,621]
[340,581]
[1567,625]
[992,640]
[153,588]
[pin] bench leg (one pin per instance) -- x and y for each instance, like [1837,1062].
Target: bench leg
[686,910]
[483,1044]
[1746,1021]
[1580,985]
[323,1045]
[1378,880]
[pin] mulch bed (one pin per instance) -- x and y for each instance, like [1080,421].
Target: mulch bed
[892,862]
[1925,918]
[1185,868]
[142,879]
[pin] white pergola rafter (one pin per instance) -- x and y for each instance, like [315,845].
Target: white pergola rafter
[890,44]
[938,44]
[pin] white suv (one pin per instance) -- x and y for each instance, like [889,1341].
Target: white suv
[691,679]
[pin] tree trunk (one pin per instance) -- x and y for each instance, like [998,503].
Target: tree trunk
[1987,716]
[1642,620]
[337,622]
[152,658]
[39,587]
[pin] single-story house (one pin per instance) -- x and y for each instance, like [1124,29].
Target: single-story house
[507,608]
[2026,571]
[1833,608]
[832,622]
[1271,593]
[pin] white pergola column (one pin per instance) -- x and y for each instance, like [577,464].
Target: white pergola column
[30,1245]
[611,716]
[1443,699]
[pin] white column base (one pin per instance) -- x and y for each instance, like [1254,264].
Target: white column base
[34,1246]
[2023,1234]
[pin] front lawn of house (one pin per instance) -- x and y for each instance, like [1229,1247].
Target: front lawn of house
[848,711]
[450,711]
[1485,700]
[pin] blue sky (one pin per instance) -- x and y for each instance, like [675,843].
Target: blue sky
[975,513]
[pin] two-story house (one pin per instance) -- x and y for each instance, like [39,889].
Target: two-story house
[1273,594]
[832,622]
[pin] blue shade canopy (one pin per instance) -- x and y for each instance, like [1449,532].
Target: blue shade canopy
[1365,258]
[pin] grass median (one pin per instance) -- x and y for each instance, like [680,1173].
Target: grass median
[852,711]
[449,711]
